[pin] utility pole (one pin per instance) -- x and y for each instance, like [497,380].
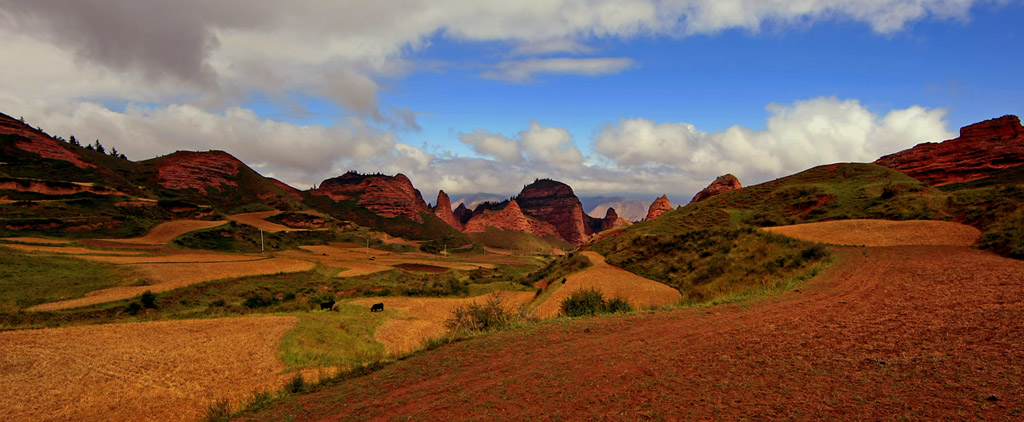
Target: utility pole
[367,245]
[262,250]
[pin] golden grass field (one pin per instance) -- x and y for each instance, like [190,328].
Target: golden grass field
[165,232]
[69,250]
[154,371]
[882,232]
[257,220]
[421,319]
[612,282]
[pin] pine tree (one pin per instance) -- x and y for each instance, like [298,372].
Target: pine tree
[99,147]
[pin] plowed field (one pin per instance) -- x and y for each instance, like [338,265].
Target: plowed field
[612,282]
[421,319]
[257,220]
[882,232]
[156,371]
[885,333]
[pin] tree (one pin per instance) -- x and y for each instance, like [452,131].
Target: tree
[99,147]
[89,147]
[113,152]
[74,141]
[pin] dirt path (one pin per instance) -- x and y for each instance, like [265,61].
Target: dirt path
[257,220]
[165,232]
[156,371]
[882,232]
[612,281]
[886,333]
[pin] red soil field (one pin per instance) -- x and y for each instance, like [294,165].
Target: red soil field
[885,333]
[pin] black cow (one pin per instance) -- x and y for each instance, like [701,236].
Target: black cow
[377,307]
[327,305]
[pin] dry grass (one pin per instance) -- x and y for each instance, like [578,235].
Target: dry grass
[167,276]
[612,282]
[165,232]
[258,220]
[882,232]
[159,371]
[421,319]
[42,240]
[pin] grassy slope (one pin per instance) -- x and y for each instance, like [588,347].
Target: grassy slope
[517,241]
[27,280]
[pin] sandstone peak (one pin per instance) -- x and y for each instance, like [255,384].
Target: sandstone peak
[611,214]
[443,210]
[386,196]
[659,207]
[981,149]
[555,203]
[721,185]
[199,170]
[510,217]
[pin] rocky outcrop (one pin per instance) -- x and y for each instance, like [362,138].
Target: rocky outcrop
[659,207]
[630,209]
[981,149]
[556,204]
[39,143]
[443,210]
[612,220]
[721,185]
[198,170]
[462,214]
[510,217]
[386,196]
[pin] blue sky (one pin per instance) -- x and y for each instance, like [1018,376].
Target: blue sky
[628,97]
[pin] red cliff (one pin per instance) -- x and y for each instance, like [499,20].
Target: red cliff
[556,204]
[198,170]
[721,185]
[443,210]
[462,214]
[981,149]
[658,207]
[510,217]
[386,196]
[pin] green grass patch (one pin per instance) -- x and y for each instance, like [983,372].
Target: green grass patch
[27,280]
[333,339]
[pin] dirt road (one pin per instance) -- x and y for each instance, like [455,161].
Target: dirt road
[886,333]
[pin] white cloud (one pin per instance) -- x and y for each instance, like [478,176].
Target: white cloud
[797,137]
[495,145]
[524,70]
[552,146]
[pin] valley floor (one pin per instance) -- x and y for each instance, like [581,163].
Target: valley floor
[898,332]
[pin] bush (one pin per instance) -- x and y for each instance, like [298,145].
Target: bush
[133,308]
[587,302]
[476,317]
[148,299]
[218,411]
[257,301]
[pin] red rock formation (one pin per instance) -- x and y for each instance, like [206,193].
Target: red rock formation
[658,207]
[981,149]
[39,143]
[721,185]
[462,214]
[555,203]
[386,196]
[611,220]
[443,210]
[509,218]
[198,170]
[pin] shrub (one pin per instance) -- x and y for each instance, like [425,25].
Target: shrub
[477,317]
[148,299]
[591,301]
[133,308]
[257,301]
[296,385]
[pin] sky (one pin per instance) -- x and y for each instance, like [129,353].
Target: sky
[614,97]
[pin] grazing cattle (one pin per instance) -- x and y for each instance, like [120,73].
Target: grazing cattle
[327,305]
[377,307]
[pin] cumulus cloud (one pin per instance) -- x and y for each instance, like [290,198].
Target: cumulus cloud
[524,70]
[495,145]
[797,137]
